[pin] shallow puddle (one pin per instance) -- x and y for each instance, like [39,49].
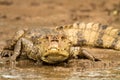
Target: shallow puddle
[46,72]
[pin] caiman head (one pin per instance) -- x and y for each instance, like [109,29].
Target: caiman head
[54,48]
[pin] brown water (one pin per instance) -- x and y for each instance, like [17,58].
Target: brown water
[60,72]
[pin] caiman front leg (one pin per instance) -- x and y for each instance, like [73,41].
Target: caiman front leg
[25,45]
[8,49]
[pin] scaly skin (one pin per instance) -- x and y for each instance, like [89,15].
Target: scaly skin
[61,44]
[44,44]
[92,34]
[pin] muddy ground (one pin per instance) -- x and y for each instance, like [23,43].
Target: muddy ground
[21,14]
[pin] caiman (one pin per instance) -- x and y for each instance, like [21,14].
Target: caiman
[61,43]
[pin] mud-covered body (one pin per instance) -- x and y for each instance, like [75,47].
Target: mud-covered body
[62,43]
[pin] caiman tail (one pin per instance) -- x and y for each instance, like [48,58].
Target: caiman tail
[92,34]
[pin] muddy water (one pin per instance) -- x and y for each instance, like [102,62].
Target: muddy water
[60,72]
[76,69]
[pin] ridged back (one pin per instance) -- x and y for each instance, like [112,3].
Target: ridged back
[92,34]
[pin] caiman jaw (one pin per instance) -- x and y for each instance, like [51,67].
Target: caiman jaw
[55,55]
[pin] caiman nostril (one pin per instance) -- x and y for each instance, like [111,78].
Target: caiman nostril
[55,38]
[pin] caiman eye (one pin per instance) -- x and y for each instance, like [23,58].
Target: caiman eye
[63,37]
[45,37]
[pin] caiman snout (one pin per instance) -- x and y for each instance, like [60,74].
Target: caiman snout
[54,54]
[56,50]
[53,49]
[54,45]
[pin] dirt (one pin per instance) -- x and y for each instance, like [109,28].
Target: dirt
[21,14]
